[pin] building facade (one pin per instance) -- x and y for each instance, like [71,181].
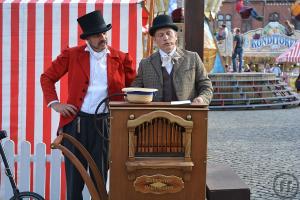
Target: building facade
[271,10]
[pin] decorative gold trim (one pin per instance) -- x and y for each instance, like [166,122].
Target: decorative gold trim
[160,113]
[204,107]
[158,184]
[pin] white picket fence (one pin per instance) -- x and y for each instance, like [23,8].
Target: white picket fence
[39,160]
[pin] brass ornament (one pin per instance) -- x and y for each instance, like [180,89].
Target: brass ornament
[158,184]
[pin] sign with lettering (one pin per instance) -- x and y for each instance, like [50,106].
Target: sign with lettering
[269,41]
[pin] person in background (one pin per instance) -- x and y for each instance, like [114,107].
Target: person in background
[256,67]
[95,71]
[297,83]
[178,74]
[247,68]
[289,28]
[238,42]
[223,32]
[267,68]
[227,68]
[285,77]
[276,70]
[271,67]
[247,11]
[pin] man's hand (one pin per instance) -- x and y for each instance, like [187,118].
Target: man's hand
[64,109]
[198,101]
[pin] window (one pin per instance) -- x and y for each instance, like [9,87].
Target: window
[225,19]
[228,21]
[220,20]
[274,17]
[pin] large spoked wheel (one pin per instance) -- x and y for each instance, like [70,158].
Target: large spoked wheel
[28,196]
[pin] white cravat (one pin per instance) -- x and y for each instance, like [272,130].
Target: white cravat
[98,86]
[166,60]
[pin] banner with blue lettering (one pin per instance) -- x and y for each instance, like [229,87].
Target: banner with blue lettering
[270,41]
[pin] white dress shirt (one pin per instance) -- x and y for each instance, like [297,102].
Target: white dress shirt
[98,86]
[167,59]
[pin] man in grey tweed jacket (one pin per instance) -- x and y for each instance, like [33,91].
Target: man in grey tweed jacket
[177,74]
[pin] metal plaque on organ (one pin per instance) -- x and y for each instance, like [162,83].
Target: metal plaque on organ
[158,184]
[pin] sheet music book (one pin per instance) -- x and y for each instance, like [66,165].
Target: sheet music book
[180,102]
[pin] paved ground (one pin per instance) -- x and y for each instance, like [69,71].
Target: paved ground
[260,146]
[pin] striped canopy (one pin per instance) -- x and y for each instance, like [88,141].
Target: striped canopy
[32,34]
[291,55]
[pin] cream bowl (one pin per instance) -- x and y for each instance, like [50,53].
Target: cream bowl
[139,95]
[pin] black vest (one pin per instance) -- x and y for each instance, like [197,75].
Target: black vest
[169,93]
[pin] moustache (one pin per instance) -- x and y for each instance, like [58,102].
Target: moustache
[103,42]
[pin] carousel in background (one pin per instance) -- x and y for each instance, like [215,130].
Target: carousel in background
[254,90]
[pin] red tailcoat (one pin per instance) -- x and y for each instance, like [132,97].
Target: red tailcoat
[76,62]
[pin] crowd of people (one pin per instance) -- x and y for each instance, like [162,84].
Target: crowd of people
[252,67]
[271,68]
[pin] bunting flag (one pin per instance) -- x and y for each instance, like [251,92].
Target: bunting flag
[32,34]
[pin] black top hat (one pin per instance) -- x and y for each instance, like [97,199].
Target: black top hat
[92,23]
[162,21]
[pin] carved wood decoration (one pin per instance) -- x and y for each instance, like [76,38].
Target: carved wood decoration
[159,136]
[158,184]
[131,158]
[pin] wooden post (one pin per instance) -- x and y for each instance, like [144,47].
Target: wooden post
[150,40]
[194,25]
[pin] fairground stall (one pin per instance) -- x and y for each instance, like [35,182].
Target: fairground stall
[267,43]
[292,56]
[256,89]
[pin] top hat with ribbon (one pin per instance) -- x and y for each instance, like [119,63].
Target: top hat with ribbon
[92,23]
[162,21]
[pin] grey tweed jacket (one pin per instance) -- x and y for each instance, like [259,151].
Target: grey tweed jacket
[190,78]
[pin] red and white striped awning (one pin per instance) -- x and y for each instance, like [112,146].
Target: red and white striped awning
[32,34]
[291,55]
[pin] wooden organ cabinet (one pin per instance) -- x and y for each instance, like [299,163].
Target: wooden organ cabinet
[157,151]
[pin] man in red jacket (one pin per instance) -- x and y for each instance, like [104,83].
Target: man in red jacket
[95,71]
